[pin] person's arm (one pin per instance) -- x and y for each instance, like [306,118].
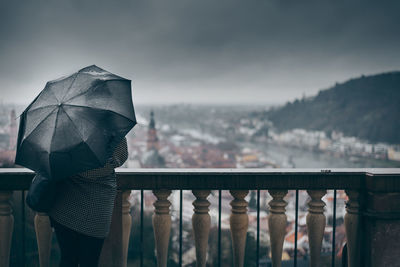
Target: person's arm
[120,154]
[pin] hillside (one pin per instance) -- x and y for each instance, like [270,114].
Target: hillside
[367,107]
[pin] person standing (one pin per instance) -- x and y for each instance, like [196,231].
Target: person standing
[82,211]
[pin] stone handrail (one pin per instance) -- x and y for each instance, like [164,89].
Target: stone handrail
[373,209]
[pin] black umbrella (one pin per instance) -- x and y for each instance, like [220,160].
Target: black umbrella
[75,123]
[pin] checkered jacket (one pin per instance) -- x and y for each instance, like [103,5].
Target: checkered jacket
[85,201]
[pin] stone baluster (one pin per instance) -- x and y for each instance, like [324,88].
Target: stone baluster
[43,238]
[277,225]
[239,222]
[112,251]
[162,225]
[201,222]
[126,225]
[352,224]
[6,227]
[316,225]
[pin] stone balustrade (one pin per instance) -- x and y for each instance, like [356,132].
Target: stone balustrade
[373,209]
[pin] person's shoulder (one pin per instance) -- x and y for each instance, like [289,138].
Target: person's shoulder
[122,146]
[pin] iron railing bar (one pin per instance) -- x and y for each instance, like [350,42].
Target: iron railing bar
[23,227]
[334,229]
[141,227]
[219,226]
[258,229]
[180,226]
[296,225]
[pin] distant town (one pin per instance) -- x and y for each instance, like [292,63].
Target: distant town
[186,136]
[220,137]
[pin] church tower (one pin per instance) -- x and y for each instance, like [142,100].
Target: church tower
[151,158]
[152,139]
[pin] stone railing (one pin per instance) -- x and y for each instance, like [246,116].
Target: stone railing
[372,220]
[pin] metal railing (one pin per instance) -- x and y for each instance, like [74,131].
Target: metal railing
[372,208]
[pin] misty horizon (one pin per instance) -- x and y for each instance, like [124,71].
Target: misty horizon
[257,103]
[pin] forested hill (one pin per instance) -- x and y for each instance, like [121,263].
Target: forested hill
[367,107]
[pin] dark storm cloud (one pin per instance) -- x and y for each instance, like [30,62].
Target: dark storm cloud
[182,50]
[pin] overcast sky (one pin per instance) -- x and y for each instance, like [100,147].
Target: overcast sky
[198,51]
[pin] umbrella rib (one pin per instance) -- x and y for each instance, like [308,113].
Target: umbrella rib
[45,118]
[52,138]
[80,134]
[31,110]
[52,92]
[94,125]
[91,87]
[27,108]
[82,93]
[70,86]
[118,114]
[36,98]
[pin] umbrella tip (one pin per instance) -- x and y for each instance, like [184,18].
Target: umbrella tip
[88,67]
[93,67]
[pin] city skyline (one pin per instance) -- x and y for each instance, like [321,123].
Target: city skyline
[198,52]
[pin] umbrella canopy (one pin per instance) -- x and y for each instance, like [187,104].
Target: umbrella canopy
[75,123]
